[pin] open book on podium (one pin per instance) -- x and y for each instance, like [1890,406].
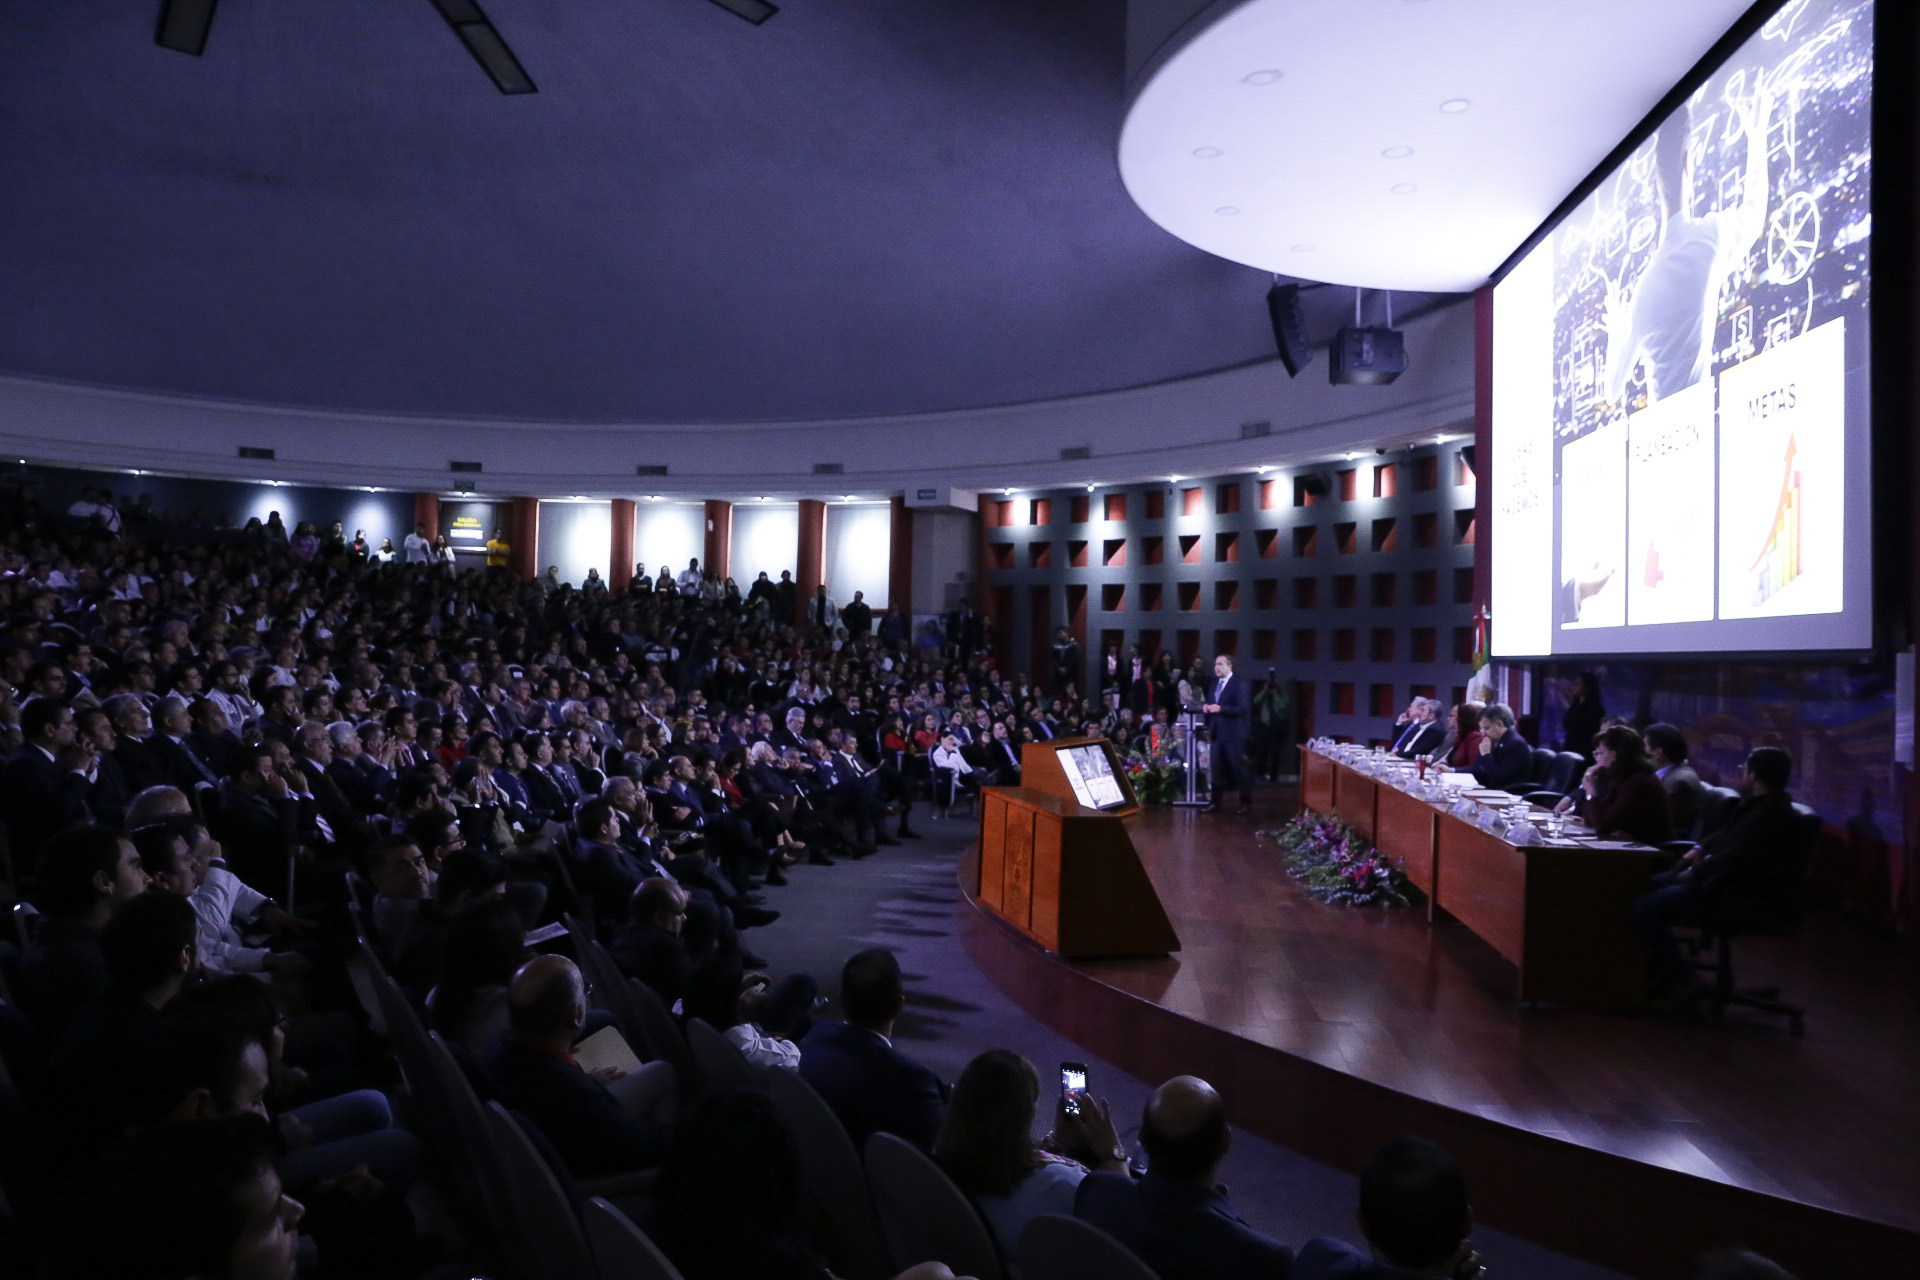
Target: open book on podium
[1056,861]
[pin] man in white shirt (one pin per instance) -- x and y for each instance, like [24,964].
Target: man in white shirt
[689,580]
[418,547]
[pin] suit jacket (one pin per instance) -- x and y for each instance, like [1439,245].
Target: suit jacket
[1750,863]
[611,874]
[186,767]
[108,796]
[1179,1230]
[1507,764]
[38,798]
[656,957]
[1422,740]
[350,830]
[1683,798]
[215,750]
[141,763]
[1326,1258]
[871,1086]
[588,1127]
[1229,724]
[257,834]
[355,783]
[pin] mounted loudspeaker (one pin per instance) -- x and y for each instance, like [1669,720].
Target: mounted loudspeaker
[1289,327]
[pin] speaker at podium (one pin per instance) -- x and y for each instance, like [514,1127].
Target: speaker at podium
[1056,861]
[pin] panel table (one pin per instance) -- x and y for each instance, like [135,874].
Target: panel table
[1559,913]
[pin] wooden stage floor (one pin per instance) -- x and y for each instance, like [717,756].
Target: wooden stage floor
[1426,1013]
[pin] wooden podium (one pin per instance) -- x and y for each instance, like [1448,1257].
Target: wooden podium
[1065,874]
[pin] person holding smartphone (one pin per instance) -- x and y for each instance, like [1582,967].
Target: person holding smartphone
[986,1142]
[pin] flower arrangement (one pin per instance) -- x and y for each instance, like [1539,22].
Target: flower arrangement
[1336,865]
[1154,771]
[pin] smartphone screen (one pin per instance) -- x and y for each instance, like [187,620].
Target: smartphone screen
[1073,1083]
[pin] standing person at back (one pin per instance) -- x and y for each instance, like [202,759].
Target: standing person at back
[872,1086]
[1226,708]
[418,547]
[1667,753]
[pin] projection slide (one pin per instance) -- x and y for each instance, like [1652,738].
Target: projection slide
[1682,374]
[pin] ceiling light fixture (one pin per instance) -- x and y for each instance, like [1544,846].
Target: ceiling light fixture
[1454,106]
[1227,211]
[1397,153]
[1303,248]
[1258,78]
[486,44]
[184,25]
[1403,188]
[1263,470]
[1207,153]
[754,11]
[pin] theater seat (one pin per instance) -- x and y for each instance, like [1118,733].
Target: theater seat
[1564,775]
[1053,1247]
[720,1064]
[1541,767]
[1716,806]
[621,1249]
[923,1216]
[832,1178]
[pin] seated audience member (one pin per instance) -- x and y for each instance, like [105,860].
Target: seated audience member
[1506,759]
[257,820]
[403,912]
[1667,753]
[653,945]
[872,1086]
[986,1146]
[1620,798]
[600,1124]
[729,1200]
[1414,1216]
[1461,749]
[1418,731]
[44,784]
[324,1137]
[85,873]
[953,774]
[485,947]
[1177,1218]
[762,1020]
[1745,868]
[199,1199]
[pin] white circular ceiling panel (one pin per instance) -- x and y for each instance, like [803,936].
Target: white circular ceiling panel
[1395,144]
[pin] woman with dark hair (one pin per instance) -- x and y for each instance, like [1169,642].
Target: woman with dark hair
[1462,746]
[1582,722]
[986,1145]
[1623,799]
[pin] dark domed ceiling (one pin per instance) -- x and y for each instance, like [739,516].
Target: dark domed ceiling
[862,207]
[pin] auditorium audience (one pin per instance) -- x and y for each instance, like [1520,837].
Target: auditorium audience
[233,754]
[1178,1218]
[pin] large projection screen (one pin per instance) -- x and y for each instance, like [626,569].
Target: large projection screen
[1681,380]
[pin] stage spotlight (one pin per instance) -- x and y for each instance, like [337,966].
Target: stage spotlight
[1367,355]
[754,11]
[184,25]
[1289,327]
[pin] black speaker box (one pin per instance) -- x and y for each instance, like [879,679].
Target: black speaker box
[1289,327]
[1367,356]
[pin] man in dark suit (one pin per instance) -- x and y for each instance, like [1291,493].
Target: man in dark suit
[1226,710]
[313,755]
[1667,753]
[601,1123]
[1748,868]
[257,821]
[1178,1218]
[1506,758]
[43,788]
[108,796]
[872,1086]
[1414,1215]
[654,944]
[184,766]
[133,747]
[1418,731]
